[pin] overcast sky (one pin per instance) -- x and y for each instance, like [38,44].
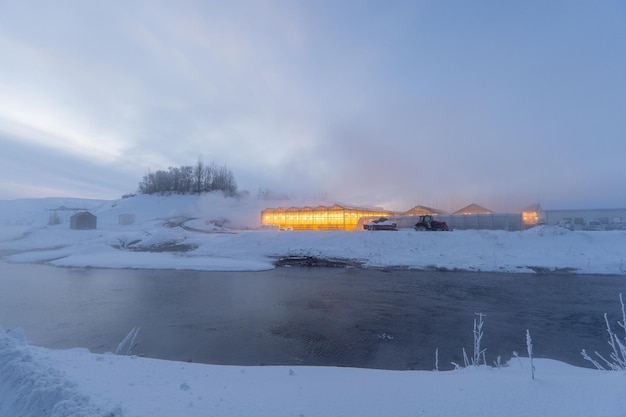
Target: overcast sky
[380,103]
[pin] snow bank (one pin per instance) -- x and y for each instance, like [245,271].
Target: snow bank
[31,387]
[38,382]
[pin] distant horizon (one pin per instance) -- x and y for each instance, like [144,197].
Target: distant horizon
[550,206]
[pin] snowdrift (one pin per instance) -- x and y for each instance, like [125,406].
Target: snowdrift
[31,387]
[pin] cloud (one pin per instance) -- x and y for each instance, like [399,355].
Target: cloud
[31,170]
[390,105]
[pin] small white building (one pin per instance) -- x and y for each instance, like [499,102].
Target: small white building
[579,218]
[83,220]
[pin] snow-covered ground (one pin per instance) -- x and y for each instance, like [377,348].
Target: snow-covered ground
[216,233]
[213,233]
[41,382]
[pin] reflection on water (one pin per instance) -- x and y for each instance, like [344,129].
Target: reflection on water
[309,316]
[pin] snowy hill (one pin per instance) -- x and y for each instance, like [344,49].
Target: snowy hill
[33,213]
[210,232]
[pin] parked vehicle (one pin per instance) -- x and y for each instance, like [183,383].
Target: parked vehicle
[566,222]
[428,223]
[594,225]
[381,224]
[616,226]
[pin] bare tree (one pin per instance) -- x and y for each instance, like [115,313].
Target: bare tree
[198,175]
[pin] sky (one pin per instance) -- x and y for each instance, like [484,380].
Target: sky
[379,103]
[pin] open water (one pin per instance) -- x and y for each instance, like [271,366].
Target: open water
[311,316]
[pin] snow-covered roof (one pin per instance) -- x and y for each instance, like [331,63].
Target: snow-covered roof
[473,209]
[421,210]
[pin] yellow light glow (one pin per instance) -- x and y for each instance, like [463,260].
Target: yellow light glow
[318,218]
[530,217]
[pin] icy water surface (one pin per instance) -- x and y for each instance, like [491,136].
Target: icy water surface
[310,316]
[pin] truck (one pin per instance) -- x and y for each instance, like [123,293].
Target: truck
[381,224]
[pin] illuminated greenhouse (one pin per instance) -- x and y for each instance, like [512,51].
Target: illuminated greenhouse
[318,218]
[353,218]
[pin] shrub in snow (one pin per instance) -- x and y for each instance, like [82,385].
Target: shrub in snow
[478,336]
[617,357]
[529,347]
[498,362]
[478,351]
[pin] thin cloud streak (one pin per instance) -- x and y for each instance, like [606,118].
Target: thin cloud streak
[31,170]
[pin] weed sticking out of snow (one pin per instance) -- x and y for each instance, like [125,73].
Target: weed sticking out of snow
[617,356]
[129,343]
[529,348]
[479,353]
[478,336]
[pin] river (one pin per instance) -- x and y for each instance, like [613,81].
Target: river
[393,319]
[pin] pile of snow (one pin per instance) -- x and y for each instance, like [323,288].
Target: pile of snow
[31,386]
[211,232]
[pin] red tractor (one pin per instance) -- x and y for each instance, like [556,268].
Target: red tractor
[428,223]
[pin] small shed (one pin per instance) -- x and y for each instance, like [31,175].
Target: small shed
[83,220]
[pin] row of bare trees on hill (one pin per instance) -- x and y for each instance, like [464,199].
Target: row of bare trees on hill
[199,178]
